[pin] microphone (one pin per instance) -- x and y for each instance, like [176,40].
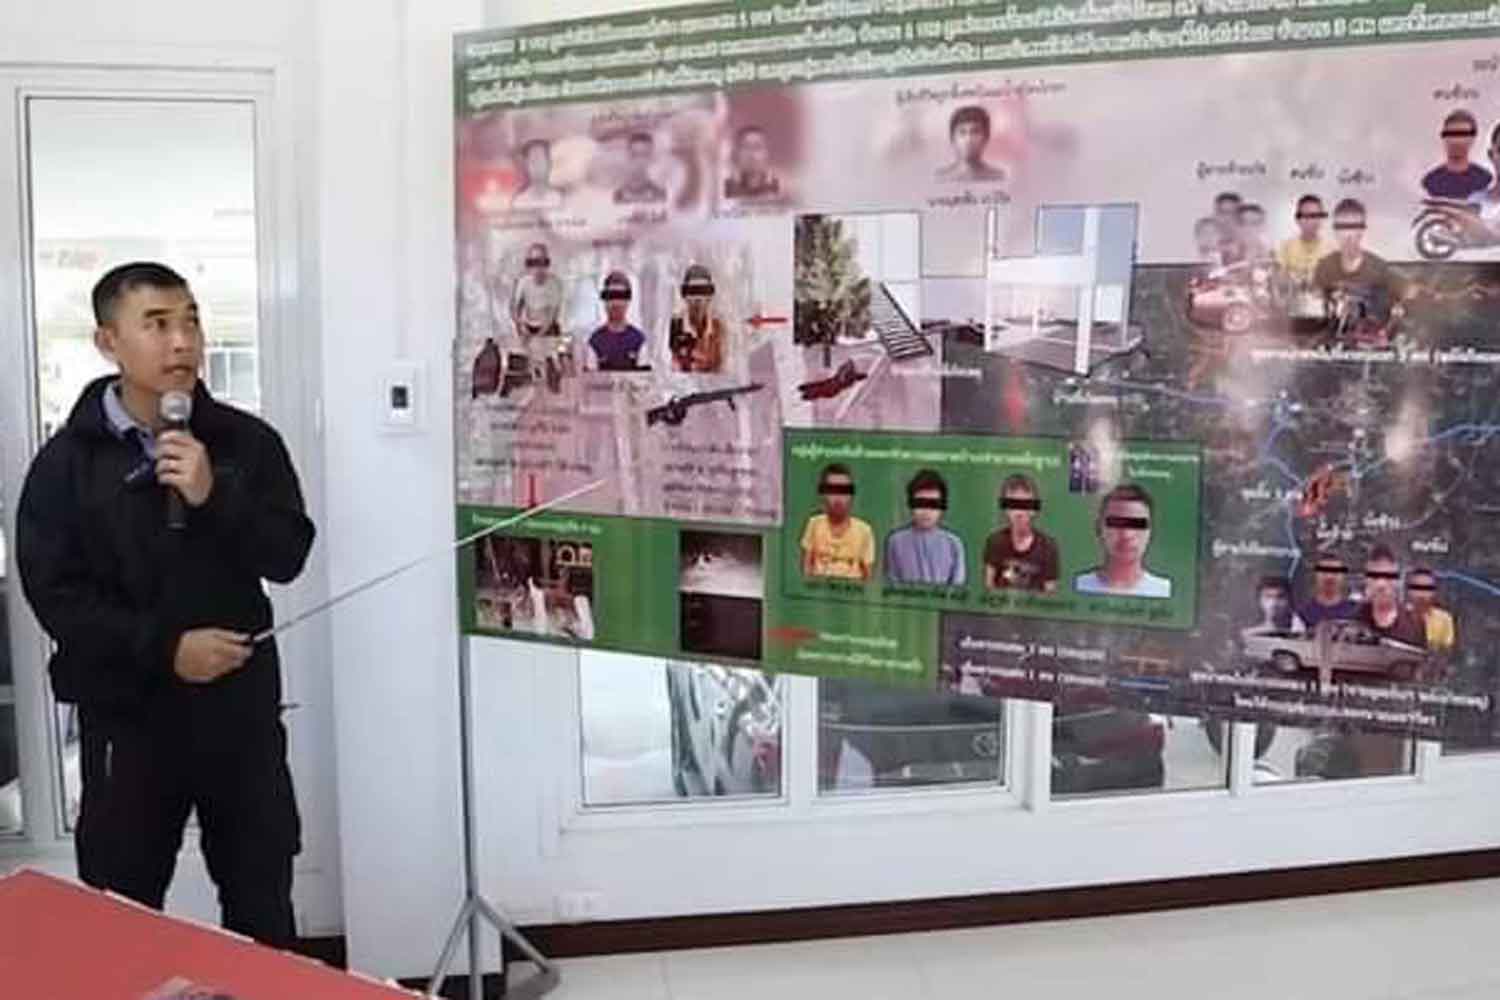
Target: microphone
[176,408]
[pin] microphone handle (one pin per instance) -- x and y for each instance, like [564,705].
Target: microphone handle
[176,508]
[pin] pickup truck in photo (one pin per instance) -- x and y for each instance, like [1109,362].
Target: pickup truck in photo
[1336,646]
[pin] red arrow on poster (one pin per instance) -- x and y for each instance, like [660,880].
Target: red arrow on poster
[759,320]
[791,635]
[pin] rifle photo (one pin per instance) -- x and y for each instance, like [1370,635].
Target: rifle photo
[675,410]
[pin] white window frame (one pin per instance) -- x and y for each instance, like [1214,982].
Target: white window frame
[288,366]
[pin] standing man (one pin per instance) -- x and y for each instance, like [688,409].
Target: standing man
[639,188]
[835,543]
[536,312]
[1456,177]
[1299,256]
[924,551]
[1019,557]
[1124,528]
[1330,596]
[617,344]
[1358,283]
[1382,609]
[696,337]
[1421,593]
[969,134]
[753,177]
[153,616]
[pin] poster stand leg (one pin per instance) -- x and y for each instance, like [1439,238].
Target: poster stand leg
[476,910]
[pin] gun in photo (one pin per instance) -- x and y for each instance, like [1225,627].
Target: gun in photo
[675,410]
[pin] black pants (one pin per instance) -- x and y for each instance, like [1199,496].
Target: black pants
[141,779]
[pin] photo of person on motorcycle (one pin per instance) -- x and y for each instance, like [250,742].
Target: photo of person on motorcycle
[1365,295]
[1457,177]
[1447,225]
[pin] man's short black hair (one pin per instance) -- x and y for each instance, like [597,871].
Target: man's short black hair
[1126,493]
[1461,117]
[926,479]
[1349,206]
[1308,199]
[969,114]
[1247,207]
[1020,482]
[836,469]
[121,281]
[1381,552]
[1421,571]
[530,144]
[1278,583]
[1224,196]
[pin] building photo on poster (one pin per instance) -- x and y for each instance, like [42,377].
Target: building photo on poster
[1145,354]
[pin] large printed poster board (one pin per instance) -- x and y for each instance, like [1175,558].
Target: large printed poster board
[1147,349]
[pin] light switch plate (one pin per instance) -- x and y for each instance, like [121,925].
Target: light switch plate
[402,397]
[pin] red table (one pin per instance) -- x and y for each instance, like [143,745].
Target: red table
[62,941]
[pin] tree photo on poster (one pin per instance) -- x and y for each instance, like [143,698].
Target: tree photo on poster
[974,352]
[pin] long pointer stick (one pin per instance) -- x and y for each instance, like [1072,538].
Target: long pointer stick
[514,519]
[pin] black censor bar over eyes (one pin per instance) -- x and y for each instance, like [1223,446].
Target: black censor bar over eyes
[837,489]
[1334,568]
[1341,226]
[1132,523]
[1458,133]
[928,503]
[538,262]
[1312,215]
[612,296]
[1420,587]
[1381,574]
[1012,503]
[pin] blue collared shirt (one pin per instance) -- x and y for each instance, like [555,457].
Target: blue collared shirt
[124,426]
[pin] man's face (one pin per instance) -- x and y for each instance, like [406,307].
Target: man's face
[1018,517]
[615,310]
[1310,216]
[838,496]
[1126,532]
[697,303]
[1458,140]
[1275,605]
[538,164]
[1252,226]
[753,155]
[1228,211]
[969,141]
[927,508]
[155,338]
[1421,588]
[537,264]
[640,160]
[1350,229]
[1329,580]
[1381,579]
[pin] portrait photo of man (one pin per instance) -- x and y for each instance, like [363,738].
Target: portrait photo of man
[835,543]
[1421,600]
[923,551]
[1299,255]
[1273,596]
[536,311]
[1359,284]
[1457,176]
[639,188]
[617,343]
[1019,556]
[1123,526]
[536,191]
[968,135]
[751,159]
[697,336]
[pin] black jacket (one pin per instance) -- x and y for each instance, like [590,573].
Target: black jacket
[115,588]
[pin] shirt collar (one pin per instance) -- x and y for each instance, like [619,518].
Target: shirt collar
[120,422]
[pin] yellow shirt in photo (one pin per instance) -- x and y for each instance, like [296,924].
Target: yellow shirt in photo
[849,555]
[1439,630]
[1299,259]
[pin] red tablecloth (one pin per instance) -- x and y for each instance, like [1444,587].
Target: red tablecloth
[61,941]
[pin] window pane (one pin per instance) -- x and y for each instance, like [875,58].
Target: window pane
[10,770]
[876,737]
[1330,753]
[1098,748]
[655,731]
[102,194]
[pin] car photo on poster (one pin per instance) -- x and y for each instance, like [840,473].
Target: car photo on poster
[1336,647]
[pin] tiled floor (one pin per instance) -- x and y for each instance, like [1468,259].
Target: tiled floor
[1431,943]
